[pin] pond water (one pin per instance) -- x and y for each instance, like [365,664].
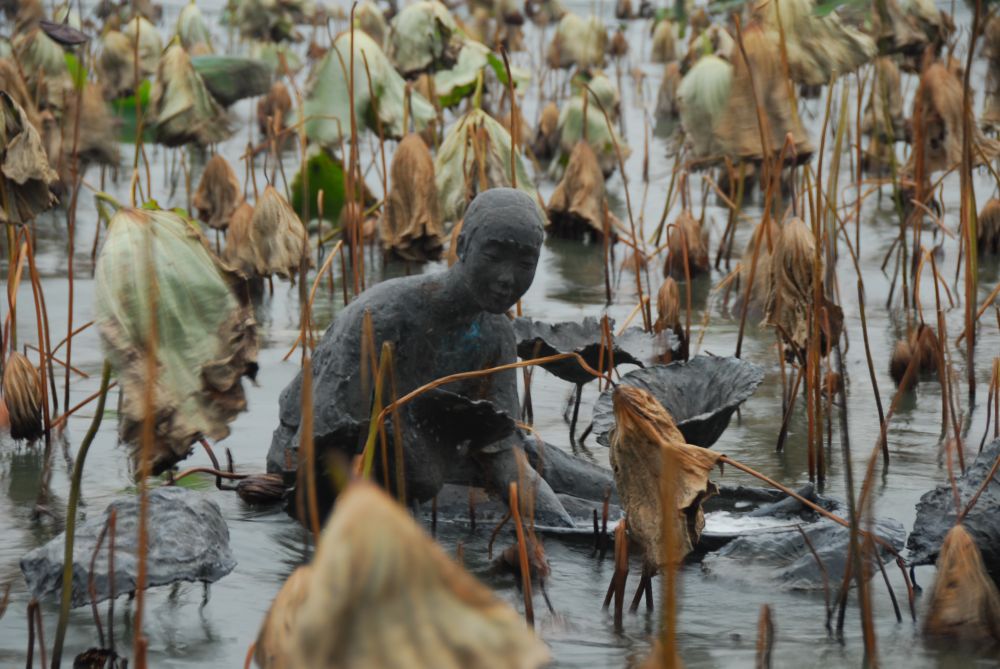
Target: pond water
[717,618]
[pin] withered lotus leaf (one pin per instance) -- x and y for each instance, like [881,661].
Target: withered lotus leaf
[381,594]
[579,201]
[412,227]
[277,237]
[180,102]
[27,175]
[687,248]
[219,193]
[790,298]
[645,434]
[22,394]
[238,253]
[156,275]
[965,603]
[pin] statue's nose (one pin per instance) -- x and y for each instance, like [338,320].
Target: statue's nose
[505,280]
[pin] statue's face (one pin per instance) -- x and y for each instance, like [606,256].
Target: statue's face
[498,272]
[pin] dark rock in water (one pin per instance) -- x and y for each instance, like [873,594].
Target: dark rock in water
[783,559]
[936,514]
[536,339]
[701,394]
[188,541]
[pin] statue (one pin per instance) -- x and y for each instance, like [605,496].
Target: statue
[439,324]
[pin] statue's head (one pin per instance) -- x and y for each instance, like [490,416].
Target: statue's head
[498,247]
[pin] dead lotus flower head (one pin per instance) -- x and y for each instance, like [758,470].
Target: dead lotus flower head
[686,242]
[579,202]
[155,275]
[988,228]
[412,227]
[277,237]
[964,604]
[27,176]
[667,102]
[376,572]
[115,69]
[219,193]
[22,394]
[645,443]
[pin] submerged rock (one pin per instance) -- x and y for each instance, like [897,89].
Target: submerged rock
[936,514]
[784,559]
[701,394]
[188,541]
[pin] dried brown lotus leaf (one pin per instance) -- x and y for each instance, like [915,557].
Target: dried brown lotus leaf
[274,108]
[277,236]
[579,201]
[381,594]
[238,252]
[25,168]
[219,193]
[964,603]
[686,240]
[644,434]
[988,228]
[22,394]
[668,306]
[412,227]
[790,298]
[184,110]
[939,96]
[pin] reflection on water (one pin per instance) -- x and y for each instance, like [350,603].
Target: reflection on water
[717,620]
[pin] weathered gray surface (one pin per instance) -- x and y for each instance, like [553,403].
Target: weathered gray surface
[537,339]
[188,541]
[936,514]
[784,560]
[701,394]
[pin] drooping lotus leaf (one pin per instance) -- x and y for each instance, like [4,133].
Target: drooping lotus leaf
[22,397]
[183,108]
[424,35]
[411,225]
[115,69]
[369,18]
[460,175]
[219,193]
[601,135]
[150,44]
[97,133]
[42,60]
[327,100]
[578,41]
[26,173]
[270,20]
[277,237]
[232,78]
[376,570]
[155,268]
[702,98]
[474,60]
[701,394]
[193,31]
[272,53]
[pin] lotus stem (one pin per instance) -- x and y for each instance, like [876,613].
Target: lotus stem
[71,511]
[522,553]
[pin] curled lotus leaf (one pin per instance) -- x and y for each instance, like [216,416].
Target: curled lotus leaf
[701,394]
[327,101]
[182,105]
[475,156]
[157,282]
[26,173]
[193,30]
[423,35]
